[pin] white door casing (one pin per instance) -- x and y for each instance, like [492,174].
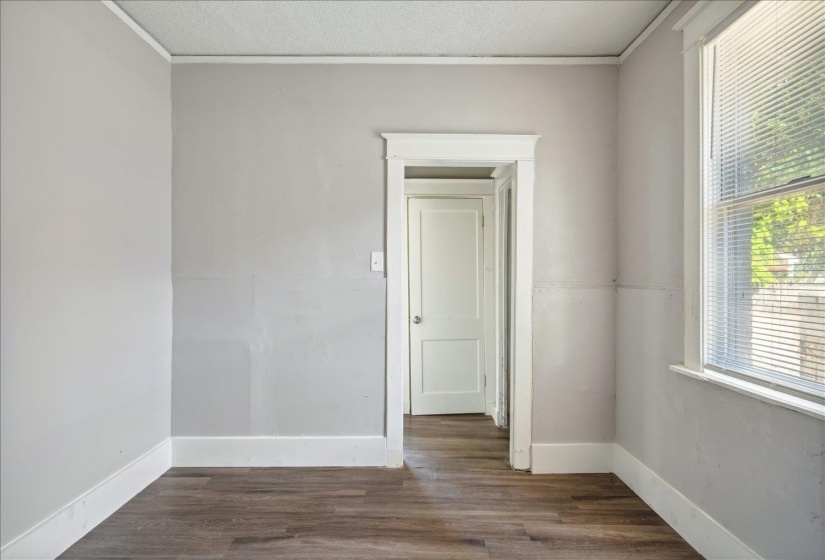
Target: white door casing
[447,307]
[459,150]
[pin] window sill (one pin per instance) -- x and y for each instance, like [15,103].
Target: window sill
[764,394]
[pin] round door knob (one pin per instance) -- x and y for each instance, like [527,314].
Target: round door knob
[416,319]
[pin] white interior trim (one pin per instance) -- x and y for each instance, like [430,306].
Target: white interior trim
[685,19]
[458,150]
[699,529]
[394,458]
[648,30]
[449,187]
[430,60]
[703,18]
[566,458]
[502,184]
[502,173]
[491,333]
[692,258]
[434,60]
[521,413]
[397,344]
[52,536]
[137,29]
[342,451]
[754,390]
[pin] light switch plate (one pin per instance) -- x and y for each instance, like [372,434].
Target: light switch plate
[376,261]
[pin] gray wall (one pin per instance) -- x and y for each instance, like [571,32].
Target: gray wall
[279,181]
[85,189]
[757,469]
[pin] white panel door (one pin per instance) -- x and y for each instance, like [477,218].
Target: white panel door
[446,264]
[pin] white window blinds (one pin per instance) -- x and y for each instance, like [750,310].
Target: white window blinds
[764,196]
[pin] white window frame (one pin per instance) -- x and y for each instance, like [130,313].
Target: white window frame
[705,19]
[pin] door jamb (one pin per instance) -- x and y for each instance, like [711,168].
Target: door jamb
[502,179]
[461,150]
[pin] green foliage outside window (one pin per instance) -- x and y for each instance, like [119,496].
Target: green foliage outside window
[793,225]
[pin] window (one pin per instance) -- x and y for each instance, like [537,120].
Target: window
[763,197]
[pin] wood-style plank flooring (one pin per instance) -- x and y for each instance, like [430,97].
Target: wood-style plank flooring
[456,498]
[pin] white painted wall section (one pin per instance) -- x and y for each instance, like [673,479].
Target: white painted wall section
[756,469]
[86,310]
[279,186]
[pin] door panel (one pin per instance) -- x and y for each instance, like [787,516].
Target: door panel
[449,366]
[448,245]
[446,263]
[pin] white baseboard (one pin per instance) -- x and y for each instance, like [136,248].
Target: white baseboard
[49,538]
[275,451]
[698,528]
[52,536]
[561,458]
[491,408]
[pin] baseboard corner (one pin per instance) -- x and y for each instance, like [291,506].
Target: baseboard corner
[56,533]
[699,529]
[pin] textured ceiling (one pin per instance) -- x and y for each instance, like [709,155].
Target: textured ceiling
[411,28]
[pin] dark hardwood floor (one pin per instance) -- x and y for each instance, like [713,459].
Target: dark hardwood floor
[456,498]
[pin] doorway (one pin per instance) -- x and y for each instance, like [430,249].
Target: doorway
[451,270]
[510,155]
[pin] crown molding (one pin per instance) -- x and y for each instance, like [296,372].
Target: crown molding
[706,17]
[648,30]
[429,60]
[389,60]
[690,15]
[137,29]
